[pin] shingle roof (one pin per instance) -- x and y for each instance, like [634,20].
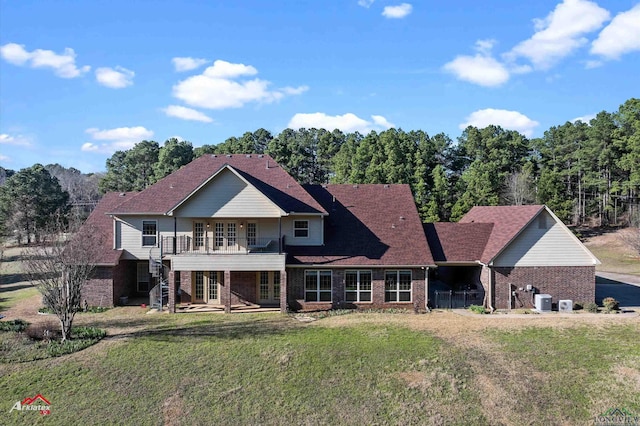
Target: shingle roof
[367,225]
[507,221]
[100,222]
[259,170]
[457,242]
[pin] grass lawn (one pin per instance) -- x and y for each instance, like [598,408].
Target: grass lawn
[436,368]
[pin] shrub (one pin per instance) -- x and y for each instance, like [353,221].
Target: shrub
[477,309]
[610,304]
[578,306]
[17,325]
[591,307]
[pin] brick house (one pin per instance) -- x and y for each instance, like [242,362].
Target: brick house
[237,230]
[509,254]
[228,231]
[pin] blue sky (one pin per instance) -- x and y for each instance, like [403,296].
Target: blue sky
[81,79]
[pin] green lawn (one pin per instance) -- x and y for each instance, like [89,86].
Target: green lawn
[356,369]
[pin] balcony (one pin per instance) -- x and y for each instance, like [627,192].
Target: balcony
[187,245]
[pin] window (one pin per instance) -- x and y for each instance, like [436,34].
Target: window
[264,285]
[397,286]
[276,285]
[357,286]
[198,234]
[149,233]
[252,233]
[317,286]
[143,277]
[213,285]
[219,234]
[231,234]
[301,228]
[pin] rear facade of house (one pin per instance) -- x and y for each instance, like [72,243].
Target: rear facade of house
[236,230]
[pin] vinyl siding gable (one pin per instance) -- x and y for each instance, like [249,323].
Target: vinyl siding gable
[227,195]
[544,242]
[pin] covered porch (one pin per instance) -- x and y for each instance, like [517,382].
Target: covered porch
[227,283]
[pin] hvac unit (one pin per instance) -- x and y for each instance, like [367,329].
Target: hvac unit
[543,302]
[565,306]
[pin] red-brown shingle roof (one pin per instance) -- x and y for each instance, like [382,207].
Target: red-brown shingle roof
[259,170]
[508,221]
[367,225]
[457,242]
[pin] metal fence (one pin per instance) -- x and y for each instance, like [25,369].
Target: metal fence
[457,299]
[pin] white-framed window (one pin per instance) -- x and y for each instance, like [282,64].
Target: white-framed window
[317,286]
[219,232]
[252,233]
[357,286]
[143,277]
[198,234]
[397,286]
[301,228]
[149,233]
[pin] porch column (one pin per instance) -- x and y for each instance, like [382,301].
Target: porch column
[226,293]
[172,292]
[283,291]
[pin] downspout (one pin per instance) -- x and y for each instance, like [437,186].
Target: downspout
[491,283]
[426,288]
[175,234]
[280,248]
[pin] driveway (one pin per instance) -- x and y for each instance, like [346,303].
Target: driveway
[624,288]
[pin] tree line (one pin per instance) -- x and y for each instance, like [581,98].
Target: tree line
[588,173]
[585,172]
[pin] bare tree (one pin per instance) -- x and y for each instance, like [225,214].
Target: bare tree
[631,237]
[519,188]
[60,267]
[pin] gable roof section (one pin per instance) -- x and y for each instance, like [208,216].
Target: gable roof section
[457,242]
[260,171]
[100,222]
[368,225]
[508,222]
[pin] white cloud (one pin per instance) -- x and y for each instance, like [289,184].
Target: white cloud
[348,122]
[397,12]
[511,120]
[365,3]
[621,36]
[6,139]
[593,64]
[4,158]
[115,78]
[188,64]
[481,68]
[560,33]
[219,87]
[63,65]
[186,113]
[120,138]
[585,118]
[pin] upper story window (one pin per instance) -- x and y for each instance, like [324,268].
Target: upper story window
[149,233]
[301,228]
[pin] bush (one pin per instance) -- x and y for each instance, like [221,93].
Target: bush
[610,304]
[578,306]
[17,325]
[591,307]
[477,309]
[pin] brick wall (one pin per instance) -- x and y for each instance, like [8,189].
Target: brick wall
[576,283]
[98,290]
[243,288]
[295,286]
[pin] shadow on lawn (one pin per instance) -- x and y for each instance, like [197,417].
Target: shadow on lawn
[233,329]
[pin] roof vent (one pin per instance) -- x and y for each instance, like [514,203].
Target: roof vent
[228,155]
[260,155]
[386,186]
[401,217]
[355,186]
[122,194]
[248,155]
[214,156]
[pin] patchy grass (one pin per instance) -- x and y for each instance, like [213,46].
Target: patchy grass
[614,254]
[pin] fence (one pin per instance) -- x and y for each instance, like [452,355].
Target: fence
[457,299]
